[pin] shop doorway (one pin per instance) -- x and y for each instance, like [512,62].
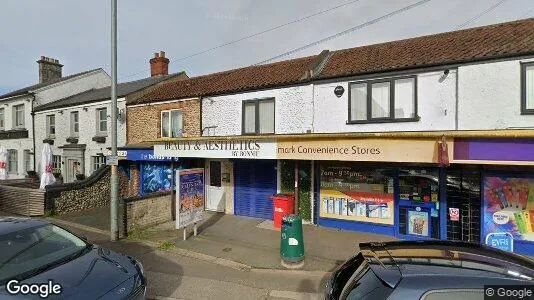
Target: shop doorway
[214,189]
[463,197]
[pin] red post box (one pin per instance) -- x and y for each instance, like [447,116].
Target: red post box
[284,204]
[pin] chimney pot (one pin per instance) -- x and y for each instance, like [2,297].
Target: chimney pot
[159,65]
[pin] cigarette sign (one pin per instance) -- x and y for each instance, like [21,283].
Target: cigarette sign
[454,214]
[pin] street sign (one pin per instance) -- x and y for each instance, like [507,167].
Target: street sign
[112,160]
[501,240]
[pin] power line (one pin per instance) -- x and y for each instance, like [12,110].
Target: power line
[254,34]
[527,13]
[487,10]
[352,29]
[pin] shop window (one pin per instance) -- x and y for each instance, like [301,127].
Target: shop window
[384,100]
[354,194]
[258,116]
[508,210]
[527,86]
[419,202]
[155,177]
[215,173]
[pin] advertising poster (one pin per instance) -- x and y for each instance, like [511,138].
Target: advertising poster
[189,197]
[418,222]
[155,177]
[352,195]
[508,207]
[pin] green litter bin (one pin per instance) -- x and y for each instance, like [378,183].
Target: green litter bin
[292,242]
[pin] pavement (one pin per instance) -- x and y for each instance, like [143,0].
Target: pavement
[237,242]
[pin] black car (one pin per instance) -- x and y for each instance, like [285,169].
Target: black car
[426,270]
[39,259]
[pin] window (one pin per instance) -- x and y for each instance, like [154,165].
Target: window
[74,123]
[97,162]
[56,163]
[51,125]
[27,161]
[258,116]
[364,284]
[12,161]
[171,123]
[527,86]
[384,100]
[2,119]
[102,121]
[18,116]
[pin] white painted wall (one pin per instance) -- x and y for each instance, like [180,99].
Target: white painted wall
[18,144]
[436,96]
[293,107]
[94,80]
[490,96]
[87,130]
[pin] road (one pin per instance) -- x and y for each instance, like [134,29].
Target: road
[171,276]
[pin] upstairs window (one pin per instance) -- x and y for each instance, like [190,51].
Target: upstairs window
[2,120]
[527,86]
[102,121]
[171,123]
[74,123]
[258,116]
[51,125]
[384,100]
[18,116]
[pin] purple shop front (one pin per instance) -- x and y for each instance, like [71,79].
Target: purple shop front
[507,196]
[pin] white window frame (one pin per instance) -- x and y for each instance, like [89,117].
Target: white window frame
[15,112]
[12,168]
[49,125]
[97,162]
[369,102]
[2,119]
[56,163]
[99,121]
[74,123]
[28,161]
[170,123]
[257,126]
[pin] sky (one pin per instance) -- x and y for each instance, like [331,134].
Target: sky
[78,33]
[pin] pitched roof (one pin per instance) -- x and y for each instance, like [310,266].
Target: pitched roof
[95,95]
[248,78]
[40,85]
[469,45]
[503,40]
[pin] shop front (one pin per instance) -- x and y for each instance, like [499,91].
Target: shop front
[507,190]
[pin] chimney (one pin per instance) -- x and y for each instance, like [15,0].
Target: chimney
[49,69]
[159,65]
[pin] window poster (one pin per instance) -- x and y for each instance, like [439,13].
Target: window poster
[509,207]
[418,223]
[348,193]
[155,177]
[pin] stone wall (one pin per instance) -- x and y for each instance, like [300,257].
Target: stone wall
[143,122]
[84,194]
[144,212]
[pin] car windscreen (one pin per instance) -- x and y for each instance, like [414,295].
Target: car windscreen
[27,252]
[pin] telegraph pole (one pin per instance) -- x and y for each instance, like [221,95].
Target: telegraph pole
[114,182]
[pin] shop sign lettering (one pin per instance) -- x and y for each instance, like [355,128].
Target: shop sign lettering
[218,149]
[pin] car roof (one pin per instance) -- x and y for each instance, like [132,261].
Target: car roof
[13,224]
[392,261]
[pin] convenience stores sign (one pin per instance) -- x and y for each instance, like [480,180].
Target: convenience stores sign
[389,150]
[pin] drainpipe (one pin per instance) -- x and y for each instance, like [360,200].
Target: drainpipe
[33,133]
[457,101]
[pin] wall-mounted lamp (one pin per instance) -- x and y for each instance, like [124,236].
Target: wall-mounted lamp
[6,104]
[85,109]
[444,76]
[339,90]
[60,112]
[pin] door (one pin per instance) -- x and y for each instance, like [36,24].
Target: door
[73,168]
[214,190]
[255,184]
